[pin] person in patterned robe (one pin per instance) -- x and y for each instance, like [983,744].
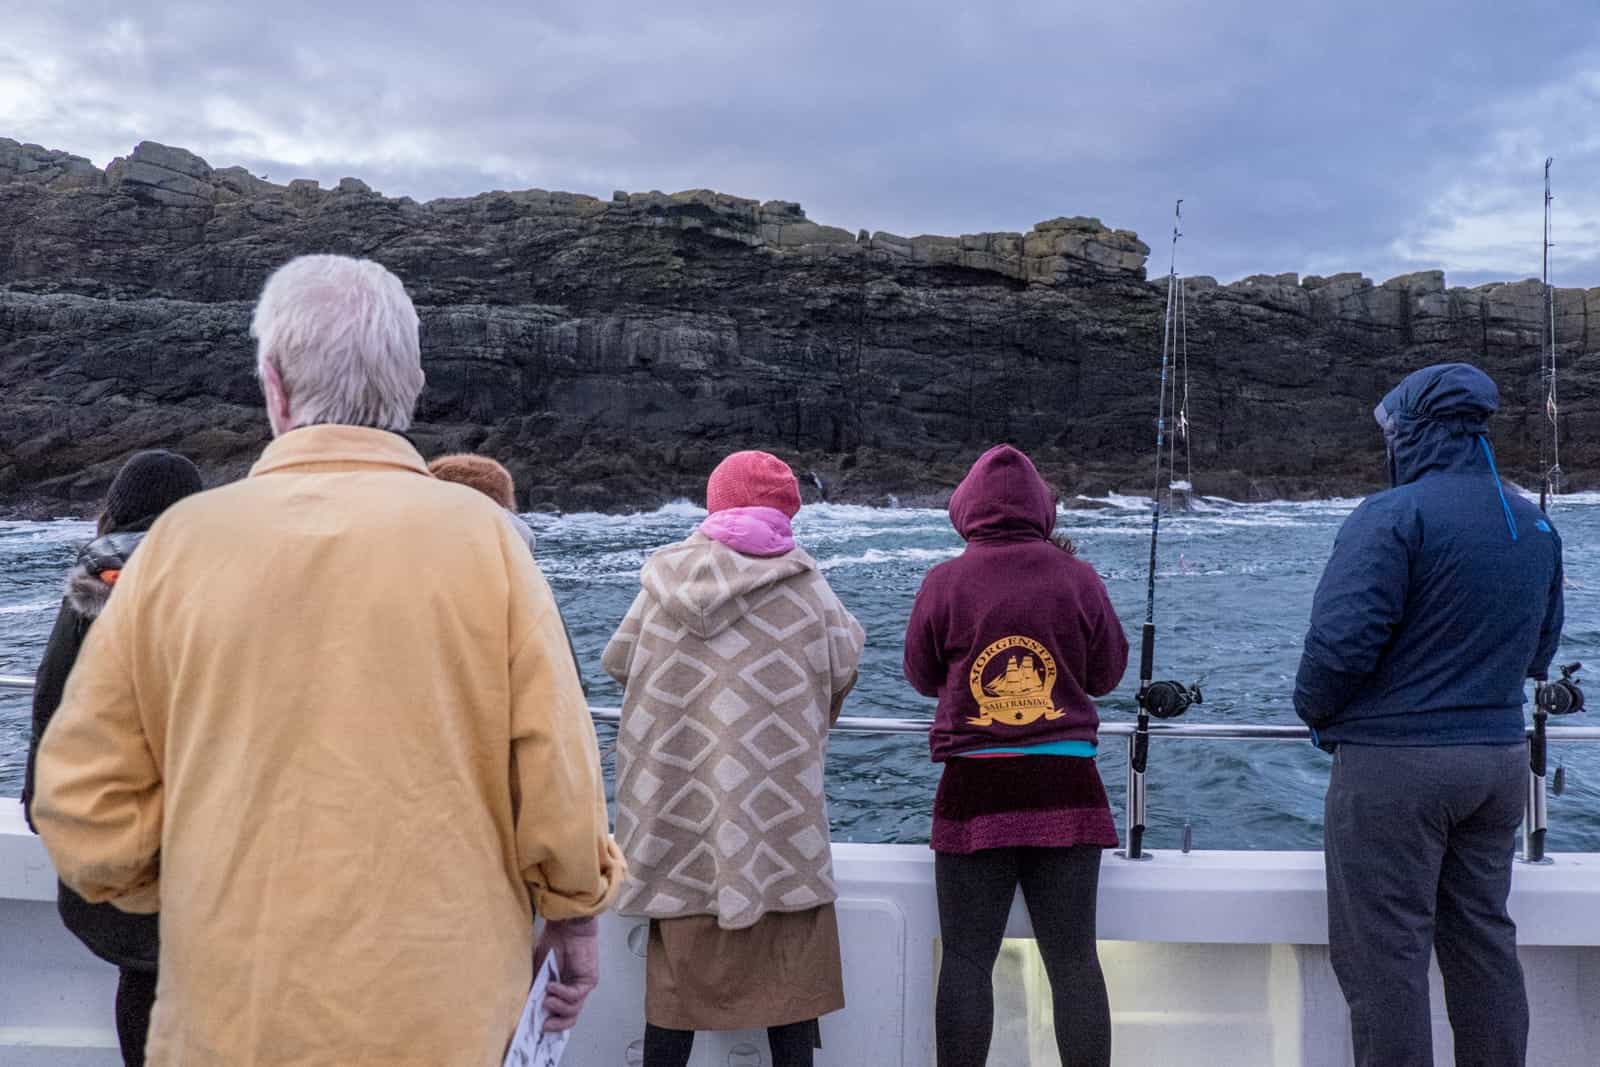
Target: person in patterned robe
[735,660]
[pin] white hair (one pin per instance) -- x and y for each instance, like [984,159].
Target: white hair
[342,335]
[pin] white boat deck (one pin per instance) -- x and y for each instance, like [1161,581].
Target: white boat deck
[1211,958]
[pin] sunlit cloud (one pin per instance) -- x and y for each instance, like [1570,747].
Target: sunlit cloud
[1488,216]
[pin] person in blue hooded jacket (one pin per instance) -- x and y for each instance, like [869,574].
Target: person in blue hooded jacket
[1442,597]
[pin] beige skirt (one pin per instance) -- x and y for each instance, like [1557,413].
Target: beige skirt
[784,969]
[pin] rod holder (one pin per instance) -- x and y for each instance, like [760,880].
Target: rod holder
[1535,821]
[1535,810]
[1138,758]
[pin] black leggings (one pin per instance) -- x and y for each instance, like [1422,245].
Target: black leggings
[136,997]
[975,894]
[791,1045]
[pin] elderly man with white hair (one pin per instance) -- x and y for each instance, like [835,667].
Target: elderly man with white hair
[330,726]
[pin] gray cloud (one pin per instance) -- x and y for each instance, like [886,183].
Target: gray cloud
[1380,137]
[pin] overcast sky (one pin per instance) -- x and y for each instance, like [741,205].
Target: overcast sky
[1382,137]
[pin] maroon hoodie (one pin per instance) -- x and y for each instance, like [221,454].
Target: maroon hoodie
[1014,636]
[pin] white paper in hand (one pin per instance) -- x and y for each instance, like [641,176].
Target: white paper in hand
[530,1045]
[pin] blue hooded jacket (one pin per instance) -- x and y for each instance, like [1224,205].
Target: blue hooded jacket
[1443,593]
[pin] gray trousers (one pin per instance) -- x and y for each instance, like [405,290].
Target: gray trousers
[1419,848]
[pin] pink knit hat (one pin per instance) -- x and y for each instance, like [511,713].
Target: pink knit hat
[753,480]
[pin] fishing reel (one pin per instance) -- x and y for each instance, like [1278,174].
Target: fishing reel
[1562,696]
[1168,700]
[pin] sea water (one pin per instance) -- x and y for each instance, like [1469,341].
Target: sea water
[1233,594]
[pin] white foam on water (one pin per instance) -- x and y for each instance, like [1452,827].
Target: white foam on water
[589,576]
[55,532]
[34,607]
[813,536]
[1252,522]
[1586,498]
[880,556]
[817,525]
[677,511]
[1086,532]
[866,512]
[615,567]
[836,522]
[1117,500]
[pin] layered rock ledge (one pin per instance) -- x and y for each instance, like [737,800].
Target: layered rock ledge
[610,350]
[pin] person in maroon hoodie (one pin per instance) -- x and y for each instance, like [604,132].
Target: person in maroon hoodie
[1016,637]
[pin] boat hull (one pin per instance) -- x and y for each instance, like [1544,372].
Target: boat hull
[1210,957]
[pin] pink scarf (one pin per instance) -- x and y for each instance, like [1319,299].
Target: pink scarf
[763,532]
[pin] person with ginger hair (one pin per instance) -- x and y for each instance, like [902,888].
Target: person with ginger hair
[490,477]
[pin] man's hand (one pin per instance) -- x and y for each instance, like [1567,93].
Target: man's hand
[576,943]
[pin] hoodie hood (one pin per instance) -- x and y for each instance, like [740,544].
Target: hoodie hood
[95,573]
[1002,499]
[756,531]
[1433,421]
[707,586]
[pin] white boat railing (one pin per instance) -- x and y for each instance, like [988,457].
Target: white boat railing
[1534,814]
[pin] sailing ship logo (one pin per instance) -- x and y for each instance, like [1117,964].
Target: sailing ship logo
[1012,680]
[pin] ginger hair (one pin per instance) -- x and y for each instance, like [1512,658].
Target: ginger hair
[477,472]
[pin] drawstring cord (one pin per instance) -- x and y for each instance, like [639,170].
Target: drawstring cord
[1511,523]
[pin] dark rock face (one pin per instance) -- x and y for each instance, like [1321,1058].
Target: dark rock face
[609,352]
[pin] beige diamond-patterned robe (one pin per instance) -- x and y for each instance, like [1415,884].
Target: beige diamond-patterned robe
[733,667]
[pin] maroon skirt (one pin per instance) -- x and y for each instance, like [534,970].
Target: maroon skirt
[1021,801]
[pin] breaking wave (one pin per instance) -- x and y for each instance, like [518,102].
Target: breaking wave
[879,557]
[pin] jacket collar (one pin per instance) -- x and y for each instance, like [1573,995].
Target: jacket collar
[358,446]
[95,574]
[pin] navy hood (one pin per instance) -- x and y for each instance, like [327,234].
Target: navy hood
[1435,419]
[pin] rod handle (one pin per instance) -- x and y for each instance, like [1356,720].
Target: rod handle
[1538,745]
[1535,847]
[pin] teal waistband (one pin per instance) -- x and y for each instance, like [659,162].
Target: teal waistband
[1044,748]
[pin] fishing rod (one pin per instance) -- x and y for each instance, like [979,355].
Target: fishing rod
[1562,696]
[1161,700]
[1547,368]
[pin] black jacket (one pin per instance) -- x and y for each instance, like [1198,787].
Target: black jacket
[114,935]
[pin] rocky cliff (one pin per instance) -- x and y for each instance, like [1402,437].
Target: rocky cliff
[609,351]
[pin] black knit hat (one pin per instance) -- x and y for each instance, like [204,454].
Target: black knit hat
[148,484]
